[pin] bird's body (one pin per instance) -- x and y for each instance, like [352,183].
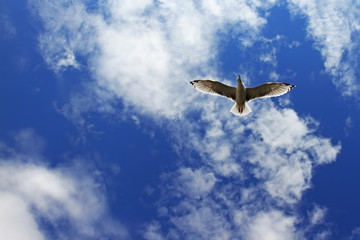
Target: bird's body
[241,94]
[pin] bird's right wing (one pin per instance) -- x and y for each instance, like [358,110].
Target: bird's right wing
[215,88]
[266,90]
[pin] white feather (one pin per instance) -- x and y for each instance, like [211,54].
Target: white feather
[235,110]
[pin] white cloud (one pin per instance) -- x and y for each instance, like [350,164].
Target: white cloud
[274,76]
[144,54]
[329,25]
[66,26]
[322,235]
[333,25]
[269,57]
[67,59]
[280,128]
[201,223]
[196,183]
[285,150]
[144,51]
[271,226]
[16,220]
[294,44]
[153,231]
[276,147]
[128,9]
[30,192]
[317,215]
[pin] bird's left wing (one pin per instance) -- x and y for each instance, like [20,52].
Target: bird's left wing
[266,90]
[215,88]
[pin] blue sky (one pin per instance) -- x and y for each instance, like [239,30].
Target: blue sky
[103,137]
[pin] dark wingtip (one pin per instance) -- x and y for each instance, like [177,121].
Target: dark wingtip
[194,81]
[291,86]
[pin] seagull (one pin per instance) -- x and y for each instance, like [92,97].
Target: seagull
[242,94]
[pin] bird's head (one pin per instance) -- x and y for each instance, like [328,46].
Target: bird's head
[239,79]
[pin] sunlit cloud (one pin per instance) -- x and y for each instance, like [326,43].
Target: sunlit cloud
[144,53]
[271,225]
[32,193]
[278,149]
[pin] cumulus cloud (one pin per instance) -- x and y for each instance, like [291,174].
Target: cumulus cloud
[196,183]
[285,151]
[142,47]
[33,193]
[271,225]
[202,223]
[16,221]
[284,172]
[278,149]
[250,170]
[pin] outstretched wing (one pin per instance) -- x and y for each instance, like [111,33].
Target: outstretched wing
[266,90]
[215,88]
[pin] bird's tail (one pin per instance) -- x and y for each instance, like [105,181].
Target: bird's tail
[235,110]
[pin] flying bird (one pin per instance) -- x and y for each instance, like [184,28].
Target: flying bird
[242,94]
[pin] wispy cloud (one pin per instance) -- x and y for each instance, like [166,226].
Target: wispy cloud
[334,25]
[33,193]
[158,46]
[153,231]
[7,29]
[278,149]
[317,215]
[195,183]
[355,233]
[250,171]
[349,124]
